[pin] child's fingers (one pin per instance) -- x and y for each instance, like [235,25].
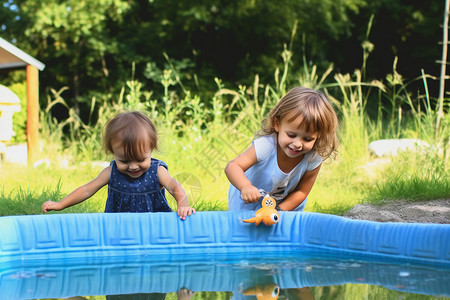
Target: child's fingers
[184,212]
[181,213]
[45,206]
[250,194]
[251,199]
[254,199]
[49,206]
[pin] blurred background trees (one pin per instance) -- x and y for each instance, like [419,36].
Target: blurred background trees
[94,46]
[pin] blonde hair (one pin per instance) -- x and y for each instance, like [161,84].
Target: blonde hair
[131,128]
[317,116]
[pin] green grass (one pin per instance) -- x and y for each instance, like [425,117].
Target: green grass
[26,189]
[412,177]
[199,136]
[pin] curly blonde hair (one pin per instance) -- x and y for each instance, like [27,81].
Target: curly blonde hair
[317,116]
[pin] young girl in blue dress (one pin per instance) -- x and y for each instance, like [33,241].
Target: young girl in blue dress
[285,159]
[136,181]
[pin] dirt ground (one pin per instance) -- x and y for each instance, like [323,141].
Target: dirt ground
[432,211]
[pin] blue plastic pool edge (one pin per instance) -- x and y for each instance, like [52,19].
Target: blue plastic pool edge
[57,236]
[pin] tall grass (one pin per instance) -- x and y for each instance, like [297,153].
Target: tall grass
[199,136]
[414,176]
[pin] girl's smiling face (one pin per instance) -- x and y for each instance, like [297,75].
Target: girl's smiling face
[293,138]
[134,168]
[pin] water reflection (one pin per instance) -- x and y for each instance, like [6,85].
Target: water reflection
[273,291]
[182,294]
[268,291]
[271,276]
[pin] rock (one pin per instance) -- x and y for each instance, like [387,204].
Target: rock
[390,147]
[433,211]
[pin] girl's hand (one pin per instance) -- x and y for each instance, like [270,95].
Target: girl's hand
[250,194]
[184,211]
[50,205]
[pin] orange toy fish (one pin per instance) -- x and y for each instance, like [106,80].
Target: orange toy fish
[266,214]
[267,292]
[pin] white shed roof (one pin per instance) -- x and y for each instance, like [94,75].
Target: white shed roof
[13,57]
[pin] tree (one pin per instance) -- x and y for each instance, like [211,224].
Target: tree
[72,38]
[90,45]
[440,109]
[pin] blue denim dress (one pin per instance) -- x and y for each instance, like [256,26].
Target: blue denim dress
[143,194]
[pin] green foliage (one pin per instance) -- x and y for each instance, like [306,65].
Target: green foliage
[71,38]
[25,189]
[89,46]
[20,118]
[364,291]
[203,295]
[414,176]
[17,202]
[198,139]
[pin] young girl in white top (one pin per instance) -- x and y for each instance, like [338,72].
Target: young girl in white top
[285,159]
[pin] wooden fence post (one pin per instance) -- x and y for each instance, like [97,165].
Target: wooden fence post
[32,113]
[440,106]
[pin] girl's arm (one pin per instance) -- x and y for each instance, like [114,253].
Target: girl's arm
[177,191]
[302,190]
[81,193]
[235,172]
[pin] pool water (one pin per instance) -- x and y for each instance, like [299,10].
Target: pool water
[281,275]
[218,256]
